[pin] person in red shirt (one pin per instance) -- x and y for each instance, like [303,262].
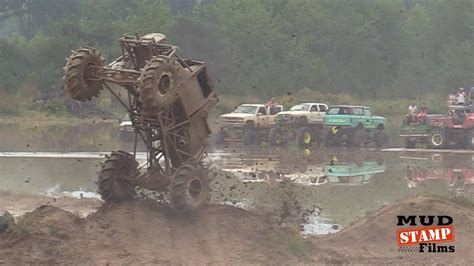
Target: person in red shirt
[421,116]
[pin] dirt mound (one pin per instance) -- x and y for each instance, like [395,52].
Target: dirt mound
[142,232]
[19,204]
[145,232]
[373,238]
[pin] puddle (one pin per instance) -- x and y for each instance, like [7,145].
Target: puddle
[324,191]
[321,191]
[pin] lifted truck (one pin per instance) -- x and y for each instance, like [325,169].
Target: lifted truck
[452,131]
[249,123]
[303,123]
[348,125]
[167,99]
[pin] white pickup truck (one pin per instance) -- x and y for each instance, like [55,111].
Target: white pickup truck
[249,123]
[303,122]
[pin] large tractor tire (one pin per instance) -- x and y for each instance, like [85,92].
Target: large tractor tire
[251,137]
[380,138]
[276,137]
[358,138]
[330,140]
[437,139]
[409,144]
[189,189]
[220,137]
[115,176]
[344,137]
[304,137]
[77,72]
[157,85]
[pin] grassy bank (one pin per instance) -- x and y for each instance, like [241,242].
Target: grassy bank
[385,107]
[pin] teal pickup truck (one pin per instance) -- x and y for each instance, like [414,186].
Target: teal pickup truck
[352,174]
[349,125]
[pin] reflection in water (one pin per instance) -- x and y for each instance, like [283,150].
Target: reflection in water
[326,190]
[456,171]
[323,191]
[49,176]
[95,136]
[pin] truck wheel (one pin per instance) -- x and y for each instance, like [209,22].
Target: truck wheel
[358,138]
[189,188]
[251,136]
[330,140]
[276,137]
[437,139]
[157,85]
[344,137]
[77,71]
[453,143]
[220,137]
[381,138]
[115,175]
[304,137]
[303,120]
[409,144]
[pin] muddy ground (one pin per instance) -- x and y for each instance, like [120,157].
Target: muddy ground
[145,232]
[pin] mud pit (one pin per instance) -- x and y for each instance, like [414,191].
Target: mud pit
[276,197]
[144,232]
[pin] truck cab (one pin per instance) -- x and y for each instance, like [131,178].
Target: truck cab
[350,125]
[311,113]
[249,123]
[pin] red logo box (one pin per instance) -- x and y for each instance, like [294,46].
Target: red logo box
[426,234]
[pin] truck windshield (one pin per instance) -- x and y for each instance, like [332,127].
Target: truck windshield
[300,107]
[339,111]
[333,111]
[246,109]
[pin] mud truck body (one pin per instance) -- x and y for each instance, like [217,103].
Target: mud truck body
[167,99]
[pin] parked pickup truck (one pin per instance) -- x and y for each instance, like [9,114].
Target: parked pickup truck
[249,123]
[350,125]
[303,123]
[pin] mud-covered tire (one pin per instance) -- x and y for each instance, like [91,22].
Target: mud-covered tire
[437,139]
[344,137]
[115,175]
[330,140]
[6,220]
[358,138]
[220,137]
[409,144]
[380,138]
[189,188]
[304,137]
[453,143]
[76,72]
[275,137]
[158,85]
[251,136]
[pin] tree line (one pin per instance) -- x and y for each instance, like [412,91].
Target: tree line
[376,49]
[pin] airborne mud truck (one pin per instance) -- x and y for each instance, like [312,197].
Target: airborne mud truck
[167,99]
[452,131]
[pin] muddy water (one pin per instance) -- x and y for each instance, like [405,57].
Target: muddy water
[324,191]
[321,191]
[36,136]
